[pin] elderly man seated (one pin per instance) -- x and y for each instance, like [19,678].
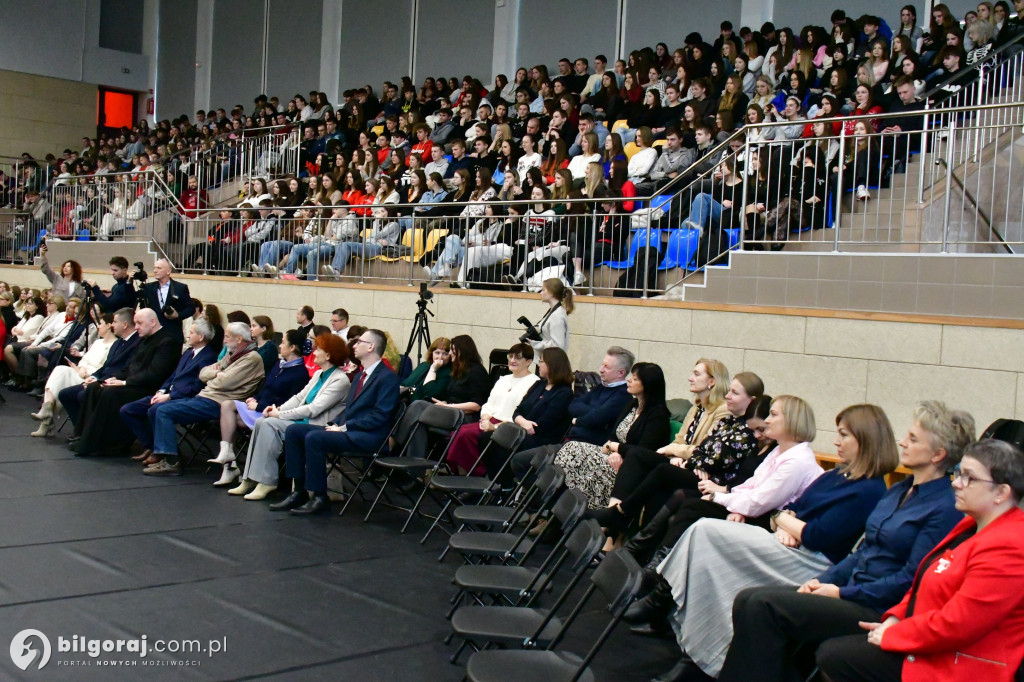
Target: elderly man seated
[184,383]
[235,377]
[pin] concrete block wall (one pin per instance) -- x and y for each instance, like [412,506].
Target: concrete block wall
[830,359]
[41,115]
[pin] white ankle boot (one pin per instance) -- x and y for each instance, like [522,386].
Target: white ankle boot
[243,488]
[225,456]
[45,428]
[45,412]
[261,491]
[228,475]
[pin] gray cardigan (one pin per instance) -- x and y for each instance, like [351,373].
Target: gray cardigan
[328,404]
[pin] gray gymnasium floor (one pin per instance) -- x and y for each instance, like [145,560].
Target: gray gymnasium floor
[92,548]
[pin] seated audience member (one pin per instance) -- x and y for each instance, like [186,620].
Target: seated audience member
[262,329]
[339,324]
[94,408]
[716,559]
[122,294]
[779,480]
[902,133]
[962,617]
[770,624]
[361,429]
[74,373]
[431,377]
[294,397]
[51,334]
[505,396]
[183,383]
[642,162]
[233,378]
[642,423]
[467,391]
[716,458]
[21,334]
[708,383]
[593,414]
[670,163]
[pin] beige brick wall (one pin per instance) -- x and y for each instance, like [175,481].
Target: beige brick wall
[41,115]
[831,362]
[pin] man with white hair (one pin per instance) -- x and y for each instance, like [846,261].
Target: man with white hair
[235,377]
[169,298]
[98,425]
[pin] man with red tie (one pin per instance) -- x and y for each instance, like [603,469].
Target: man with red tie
[359,430]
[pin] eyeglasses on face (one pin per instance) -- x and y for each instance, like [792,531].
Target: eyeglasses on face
[967,479]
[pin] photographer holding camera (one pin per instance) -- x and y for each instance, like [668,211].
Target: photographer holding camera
[170,300]
[553,329]
[122,294]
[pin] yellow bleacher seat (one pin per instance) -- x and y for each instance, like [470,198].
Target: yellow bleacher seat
[630,149]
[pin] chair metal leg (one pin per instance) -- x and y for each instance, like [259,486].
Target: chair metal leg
[379,493]
[416,507]
[437,520]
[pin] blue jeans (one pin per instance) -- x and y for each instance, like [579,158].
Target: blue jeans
[451,256]
[346,250]
[705,209]
[272,252]
[168,415]
[298,252]
[324,253]
[138,416]
[627,134]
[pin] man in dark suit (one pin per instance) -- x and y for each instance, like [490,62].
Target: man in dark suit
[362,428]
[183,383]
[98,426]
[117,359]
[170,300]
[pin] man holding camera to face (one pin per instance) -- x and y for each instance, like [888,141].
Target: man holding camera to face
[170,300]
[122,294]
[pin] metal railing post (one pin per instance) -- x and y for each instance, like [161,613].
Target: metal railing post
[950,144]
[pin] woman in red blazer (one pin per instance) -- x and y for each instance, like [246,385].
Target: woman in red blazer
[963,618]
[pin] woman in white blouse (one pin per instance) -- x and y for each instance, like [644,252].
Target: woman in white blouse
[500,407]
[591,153]
[21,336]
[641,163]
[530,158]
[66,376]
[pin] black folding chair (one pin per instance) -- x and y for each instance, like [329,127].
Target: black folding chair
[617,579]
[519,585]
[362,461]
[542,492]
[506,437]
[482,546]
[435,417]
[493,621]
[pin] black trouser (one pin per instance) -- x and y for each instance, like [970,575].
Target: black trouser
[771,623]
[637,463]
[656,489]
[854,659]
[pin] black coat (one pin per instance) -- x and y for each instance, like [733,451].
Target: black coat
[178,297]
[651,430]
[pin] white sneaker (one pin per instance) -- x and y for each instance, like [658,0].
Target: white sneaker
[427,274]
[578,278]
[694,226]
[228,475]
[328,271]
[270,269]
[299,273]
[862,193]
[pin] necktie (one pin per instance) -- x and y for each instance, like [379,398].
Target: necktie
[359,386]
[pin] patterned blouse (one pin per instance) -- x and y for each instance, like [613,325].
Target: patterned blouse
[720,454]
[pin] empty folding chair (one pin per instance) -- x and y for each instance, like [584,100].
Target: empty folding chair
[540,494]
[437,417]
[482,546]
[617,579]
[361,461]
[519,585]
[506,438]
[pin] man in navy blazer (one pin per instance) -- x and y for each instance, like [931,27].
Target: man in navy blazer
[361,428]
[117,359]
[183,383]
[170,300]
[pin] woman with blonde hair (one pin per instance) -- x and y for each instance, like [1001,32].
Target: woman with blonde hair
[593,179]
[553,328]
[708,382]
[714,560]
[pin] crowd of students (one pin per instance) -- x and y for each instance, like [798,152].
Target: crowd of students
[580,145]
[761,564]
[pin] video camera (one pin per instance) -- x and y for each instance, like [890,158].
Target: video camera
[140,275]
[531,333]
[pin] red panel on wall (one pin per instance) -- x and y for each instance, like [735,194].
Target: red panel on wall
[118,108]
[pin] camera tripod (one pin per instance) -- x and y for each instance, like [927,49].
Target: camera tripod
[420,335]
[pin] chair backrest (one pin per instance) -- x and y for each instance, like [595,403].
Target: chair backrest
[618,580]
[585,541]
[569,508]
[549,481]
[576,551]
[508,436]
[441,417]
[1007,430]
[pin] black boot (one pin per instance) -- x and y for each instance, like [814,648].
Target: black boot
[649,538]
[611,518]
[684,671]
[653,610]
[651,576]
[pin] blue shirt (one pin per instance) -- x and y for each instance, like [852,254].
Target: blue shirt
[835,510]
[896,539]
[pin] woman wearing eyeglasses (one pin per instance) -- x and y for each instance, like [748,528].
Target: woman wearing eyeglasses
[962,618]
[776,630]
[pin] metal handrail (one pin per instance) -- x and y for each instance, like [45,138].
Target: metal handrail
[992,56]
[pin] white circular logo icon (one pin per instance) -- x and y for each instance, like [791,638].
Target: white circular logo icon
[26,650]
